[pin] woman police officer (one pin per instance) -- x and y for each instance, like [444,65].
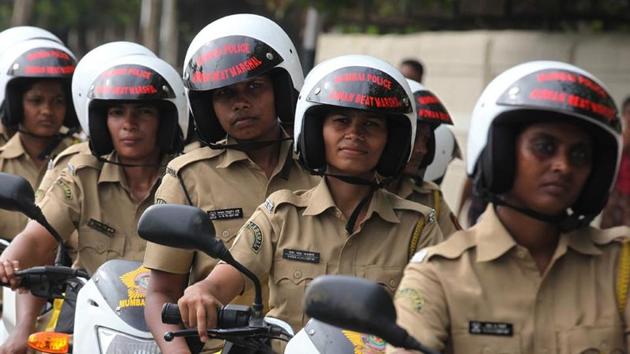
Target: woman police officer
[355,120]
[137,117]
[531,276]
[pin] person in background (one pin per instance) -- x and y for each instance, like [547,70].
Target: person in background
[35,77]
[617,210]
[412,69]
[411,184]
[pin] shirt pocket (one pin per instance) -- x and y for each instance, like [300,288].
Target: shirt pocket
[290,280]
[95,247]
[388,277]
[593,340]
[464,342]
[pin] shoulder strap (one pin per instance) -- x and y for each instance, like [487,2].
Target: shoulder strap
[437,200]
[415,238]
[623,278]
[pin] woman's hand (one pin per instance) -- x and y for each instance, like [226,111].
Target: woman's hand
[199,308]
[8,268]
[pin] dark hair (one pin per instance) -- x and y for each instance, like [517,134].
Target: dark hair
[626,103]
[415,64]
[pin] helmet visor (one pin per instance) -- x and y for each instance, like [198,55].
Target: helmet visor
[228,60]
[43,62]
[130,82]
[563,91]
[430,108]
[362,88]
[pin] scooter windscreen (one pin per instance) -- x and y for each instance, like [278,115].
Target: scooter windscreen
[123,285]
[331,339]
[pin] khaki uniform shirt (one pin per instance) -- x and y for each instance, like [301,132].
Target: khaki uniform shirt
[429,194]
[55,166]
[480,292]
[296,236]
[15,160]
[93,198]
[229,186]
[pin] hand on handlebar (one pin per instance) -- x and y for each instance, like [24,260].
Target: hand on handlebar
[199,309]
[8,269]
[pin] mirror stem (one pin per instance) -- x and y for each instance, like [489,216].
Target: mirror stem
[37,215]
[257,314]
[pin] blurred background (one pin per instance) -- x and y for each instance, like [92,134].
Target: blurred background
[462,44]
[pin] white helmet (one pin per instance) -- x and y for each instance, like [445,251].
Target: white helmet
[137,78]
[30,60]
[543,90]
[431,111]
[14,35]
[89,67]
[446,149]
[233,49]
[359,82]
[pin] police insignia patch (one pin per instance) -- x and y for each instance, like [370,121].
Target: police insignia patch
[268,204]
[411,297]
[67,192]
[257,236]
[160,201]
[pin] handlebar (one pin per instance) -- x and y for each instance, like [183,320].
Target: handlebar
[50,281]
[233,325]
[230,316]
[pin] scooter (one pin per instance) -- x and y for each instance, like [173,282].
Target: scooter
[246,330]
[110,305]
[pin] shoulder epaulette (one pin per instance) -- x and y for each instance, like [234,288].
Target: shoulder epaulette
[452,248]
[193,156]
[284,196]
[83,160]
[615,234]
[399,203]
[80,148]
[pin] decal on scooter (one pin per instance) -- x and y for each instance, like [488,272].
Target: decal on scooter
[136,282]
[365,343]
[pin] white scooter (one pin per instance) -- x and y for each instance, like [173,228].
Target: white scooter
[109,312]
[342,302]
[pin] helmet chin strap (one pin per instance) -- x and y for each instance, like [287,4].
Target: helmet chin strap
[361,182]
[55,140]
[564,221]
[246,146]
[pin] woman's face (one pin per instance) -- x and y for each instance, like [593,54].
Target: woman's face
[553,162]
[246,110]
[44,106]
[133,128]
[354,141]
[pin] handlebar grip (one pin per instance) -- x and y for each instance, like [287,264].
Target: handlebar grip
[170,314]
[230,316]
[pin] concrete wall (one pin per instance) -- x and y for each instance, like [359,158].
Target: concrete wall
[458,65]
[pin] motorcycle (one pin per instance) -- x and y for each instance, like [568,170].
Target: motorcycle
[109,306]
[349,308]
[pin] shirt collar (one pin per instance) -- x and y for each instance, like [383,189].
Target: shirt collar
[13,148]
[381,203]
[491,237]
[230,156]
[320,199]
[493,240]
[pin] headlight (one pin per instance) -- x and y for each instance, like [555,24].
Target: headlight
[114,342]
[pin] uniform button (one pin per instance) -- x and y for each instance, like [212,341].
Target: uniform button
[297,274]
[349,243]
[392,283]
[226,233]
[521,253]
[338,214]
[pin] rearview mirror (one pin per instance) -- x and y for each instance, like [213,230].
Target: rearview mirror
[179,226]
[16,194]
[358,305]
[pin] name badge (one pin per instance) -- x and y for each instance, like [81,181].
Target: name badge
[490,328]
[300,256]
[101,227]
[225,214]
